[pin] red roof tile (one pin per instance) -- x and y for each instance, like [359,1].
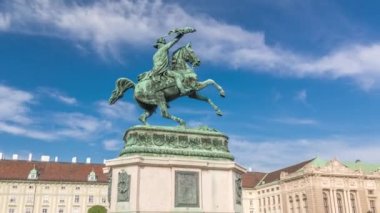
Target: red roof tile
[251,179]
[273,176]
[50,171]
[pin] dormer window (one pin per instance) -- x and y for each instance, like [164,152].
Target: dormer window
[33,174]
[91,176]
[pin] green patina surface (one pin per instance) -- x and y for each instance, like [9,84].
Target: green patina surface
[201,142]
[365,167]
[353,165]
[169,79]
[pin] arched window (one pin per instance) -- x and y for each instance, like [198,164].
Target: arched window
[339,200]
[291,204]
[326,202]
[298,206]
[304,200]
[353,202]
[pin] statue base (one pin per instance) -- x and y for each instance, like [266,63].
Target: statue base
[164,169]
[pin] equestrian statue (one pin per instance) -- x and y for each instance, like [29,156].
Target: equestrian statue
[168,80]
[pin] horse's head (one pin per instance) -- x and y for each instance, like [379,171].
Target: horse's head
[187,54]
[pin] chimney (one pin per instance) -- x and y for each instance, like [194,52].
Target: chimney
[56,159]
[74,160]
[45,158]
[15,157]
[30,157]
[1,156]
[88,160]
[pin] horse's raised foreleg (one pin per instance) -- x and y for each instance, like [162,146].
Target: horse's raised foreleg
[207,82]
[197,96]
[165,113]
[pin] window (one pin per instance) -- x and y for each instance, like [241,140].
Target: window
[304,200]
[370,192]
[277,188]
[103,200]
[28,210]
[30,187]
[45,199]
[291,204]
[44,211]
[29,199]
[46,187]
[11,210]
[251,202]
[326,202]
[14,187]
[353,202]
[340,202]
[12,199]
[91,199]
[61,200]
[63,187]
[60,211]
[278,199]
[76,199]
[77,188]
[274,201]
[260,202]
[372,206]
[298,206]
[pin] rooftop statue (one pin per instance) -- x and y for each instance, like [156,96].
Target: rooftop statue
[168,79]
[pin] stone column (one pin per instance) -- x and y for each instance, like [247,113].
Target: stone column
[332,203]
[346,196]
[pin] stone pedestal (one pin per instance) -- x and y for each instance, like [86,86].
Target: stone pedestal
[164,169]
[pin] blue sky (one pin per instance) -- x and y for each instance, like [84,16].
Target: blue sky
[302,77]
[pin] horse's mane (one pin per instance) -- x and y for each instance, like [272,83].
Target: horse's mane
[177,51]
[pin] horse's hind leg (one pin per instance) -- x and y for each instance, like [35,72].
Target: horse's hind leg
[165,113]
[197,96]
[145,115]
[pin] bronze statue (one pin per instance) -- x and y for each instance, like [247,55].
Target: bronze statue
[166,82]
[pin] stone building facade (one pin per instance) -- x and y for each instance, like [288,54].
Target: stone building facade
[314,186]
[51,187]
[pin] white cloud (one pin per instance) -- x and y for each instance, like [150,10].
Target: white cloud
[112,145]
[13,105]
[79,126]
[26,132]
[301,96]
[57,95]
[120,110]
[270,155]
[296,121]
[5,21]
[108,25]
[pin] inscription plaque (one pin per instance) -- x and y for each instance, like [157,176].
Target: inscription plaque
[186,189]
[123,187]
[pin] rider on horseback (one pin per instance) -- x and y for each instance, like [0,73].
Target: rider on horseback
[161,58]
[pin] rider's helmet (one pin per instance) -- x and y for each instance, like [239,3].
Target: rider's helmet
[160,40]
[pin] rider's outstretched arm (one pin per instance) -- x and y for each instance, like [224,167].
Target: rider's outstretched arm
[175,40]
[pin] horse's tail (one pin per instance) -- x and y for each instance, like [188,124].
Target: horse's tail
[121,85]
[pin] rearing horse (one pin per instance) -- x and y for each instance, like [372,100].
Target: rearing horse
[150,93]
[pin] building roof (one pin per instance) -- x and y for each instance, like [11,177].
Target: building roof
[274,176]
[50,171]
[362,166]
[251,179]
